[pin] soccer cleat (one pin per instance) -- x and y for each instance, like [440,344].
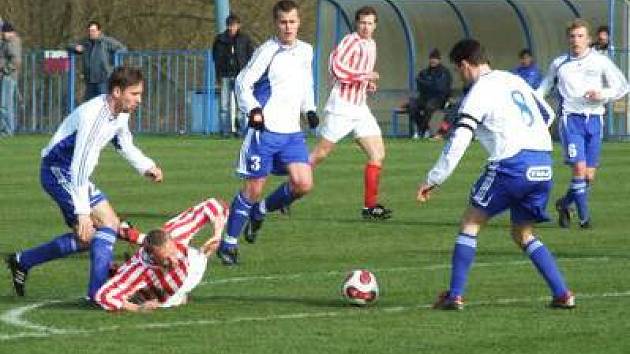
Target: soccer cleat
[378,212]
[564,215]
[446,302]
[251,229]
[18,275]
[228,255]
[586,225]
[285,210]
[566,301]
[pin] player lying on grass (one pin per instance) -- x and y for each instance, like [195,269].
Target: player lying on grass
[166,268]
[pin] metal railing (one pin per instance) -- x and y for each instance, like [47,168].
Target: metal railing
[179,93]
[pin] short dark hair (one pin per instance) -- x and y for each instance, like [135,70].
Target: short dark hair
[435,54]
[469,50]
[233,18]
[365,11]
[603,28]
[284,6]
[94,23]
[156,238]
[123,77]
[525,52]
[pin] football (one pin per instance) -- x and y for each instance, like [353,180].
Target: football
[360,288]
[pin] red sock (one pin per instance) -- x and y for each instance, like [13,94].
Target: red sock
[371,176]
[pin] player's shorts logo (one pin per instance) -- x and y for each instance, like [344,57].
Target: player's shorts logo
[539,173]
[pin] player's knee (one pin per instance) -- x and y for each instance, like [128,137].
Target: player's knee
[302,187]
[521,237]
[111,221]
[579,169]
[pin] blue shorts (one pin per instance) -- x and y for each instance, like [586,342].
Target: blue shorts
[521,184]
[264,152]
[55,181]
[581,138]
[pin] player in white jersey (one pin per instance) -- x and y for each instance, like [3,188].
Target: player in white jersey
[586,81]
[351,66]
[67,164]
[166,268]
[510,121]
[274,88]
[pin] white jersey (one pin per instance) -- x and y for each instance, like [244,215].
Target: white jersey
[77,144]
[505,115]
[278,79]
[349,64]
[575,76]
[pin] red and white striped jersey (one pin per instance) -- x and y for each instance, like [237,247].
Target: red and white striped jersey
[142,273]
[349,64]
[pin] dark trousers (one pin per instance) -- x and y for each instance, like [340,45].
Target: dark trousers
[94,89]
[421,110]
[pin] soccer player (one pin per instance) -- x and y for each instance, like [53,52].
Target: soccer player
[166,268]
[511,122]
[351,65]
[586,81]
[273,89]
[66,167]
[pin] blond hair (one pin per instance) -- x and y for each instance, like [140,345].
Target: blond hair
[579,23]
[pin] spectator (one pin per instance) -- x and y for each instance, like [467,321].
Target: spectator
[10,61]
[98,59]
[602,42]
[231,51]
[528,70]
[434,88]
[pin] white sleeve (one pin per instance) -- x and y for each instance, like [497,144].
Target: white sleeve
[256,67]
[308,101]
[617,83]
[123,142]
[84,159]
[451,154]
[545,108]
[549,81]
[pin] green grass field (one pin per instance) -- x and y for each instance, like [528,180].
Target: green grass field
[285,298]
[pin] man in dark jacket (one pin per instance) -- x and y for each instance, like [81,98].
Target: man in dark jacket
[231,50]
[98,59]
[527,69]
[434,88]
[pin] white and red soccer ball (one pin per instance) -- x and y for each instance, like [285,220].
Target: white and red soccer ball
[360,288]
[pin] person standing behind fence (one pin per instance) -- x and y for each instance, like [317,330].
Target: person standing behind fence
[231,51]
[586,81]
[98,59]
[10,61]
[527,69]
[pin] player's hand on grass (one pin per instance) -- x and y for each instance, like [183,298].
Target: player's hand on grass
[84,228]
[372,87]
[155,174]
[424,192]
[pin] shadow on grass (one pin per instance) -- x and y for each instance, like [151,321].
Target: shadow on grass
[257,299]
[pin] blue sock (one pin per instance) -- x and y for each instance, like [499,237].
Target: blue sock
[239,216]
[101,255]
[579,192]
[463,257]
[59,247]
[546,265]
[281,197]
